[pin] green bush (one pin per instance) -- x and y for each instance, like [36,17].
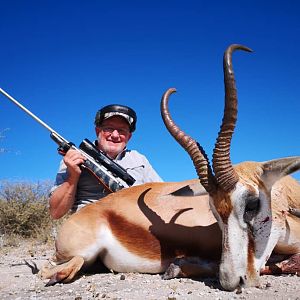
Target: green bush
[24,210]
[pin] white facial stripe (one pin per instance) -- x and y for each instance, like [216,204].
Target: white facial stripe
[235,252]
[238,243]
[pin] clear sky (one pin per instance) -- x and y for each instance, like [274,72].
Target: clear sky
[64,60]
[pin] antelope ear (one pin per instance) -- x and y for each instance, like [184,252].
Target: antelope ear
[273,170]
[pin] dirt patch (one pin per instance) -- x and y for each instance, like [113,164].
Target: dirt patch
[18,282]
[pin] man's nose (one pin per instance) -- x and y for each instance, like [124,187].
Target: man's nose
[115,133]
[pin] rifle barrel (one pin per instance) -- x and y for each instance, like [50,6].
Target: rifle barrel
[26,110]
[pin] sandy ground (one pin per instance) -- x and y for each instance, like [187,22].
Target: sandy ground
[18,282]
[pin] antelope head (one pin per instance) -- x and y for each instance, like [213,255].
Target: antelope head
[240,196]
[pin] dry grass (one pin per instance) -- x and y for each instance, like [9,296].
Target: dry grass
[24,213]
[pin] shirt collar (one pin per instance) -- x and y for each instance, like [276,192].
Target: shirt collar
[121,154]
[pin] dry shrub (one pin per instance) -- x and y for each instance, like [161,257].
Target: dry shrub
[24,211]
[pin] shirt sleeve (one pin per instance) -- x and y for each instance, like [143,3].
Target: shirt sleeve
[138,166]
[150,175]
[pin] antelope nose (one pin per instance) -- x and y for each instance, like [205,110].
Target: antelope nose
[242,281]
[231,281]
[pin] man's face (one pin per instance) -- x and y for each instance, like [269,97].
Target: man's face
[113,135]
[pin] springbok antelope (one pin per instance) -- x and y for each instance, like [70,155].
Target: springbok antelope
[256,204]
[171,227]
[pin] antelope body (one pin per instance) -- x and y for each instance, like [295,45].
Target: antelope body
[146,228]
[142,229]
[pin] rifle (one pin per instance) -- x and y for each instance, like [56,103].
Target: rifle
[112,176]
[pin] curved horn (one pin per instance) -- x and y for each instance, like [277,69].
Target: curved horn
[222,166]
[195,151]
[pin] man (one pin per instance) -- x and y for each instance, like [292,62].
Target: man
[76,187]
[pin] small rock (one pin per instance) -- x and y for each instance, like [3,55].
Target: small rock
[122,277]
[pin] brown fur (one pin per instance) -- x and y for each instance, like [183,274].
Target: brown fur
[134,237]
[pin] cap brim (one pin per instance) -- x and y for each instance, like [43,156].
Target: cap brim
[115,113]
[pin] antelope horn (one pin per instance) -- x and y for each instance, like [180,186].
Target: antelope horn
[224,172]
[195,151]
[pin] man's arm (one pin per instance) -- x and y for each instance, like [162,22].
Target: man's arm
[138,166]
[63,197]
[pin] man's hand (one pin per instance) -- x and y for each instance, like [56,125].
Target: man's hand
[73,159]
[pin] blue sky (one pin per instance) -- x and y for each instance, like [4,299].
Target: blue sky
[64,60]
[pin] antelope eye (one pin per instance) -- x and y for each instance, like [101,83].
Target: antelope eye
[251,209]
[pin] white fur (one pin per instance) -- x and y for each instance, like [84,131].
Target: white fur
[234,256]
[116,257]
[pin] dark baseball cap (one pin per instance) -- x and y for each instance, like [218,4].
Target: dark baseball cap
[116,110]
